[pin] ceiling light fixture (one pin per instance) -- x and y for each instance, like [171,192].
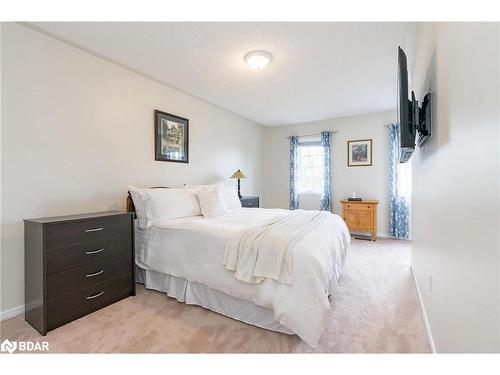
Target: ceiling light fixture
[258,59]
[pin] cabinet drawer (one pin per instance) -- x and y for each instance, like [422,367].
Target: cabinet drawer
[64,234]
[359,206]
[72,306]
[82,277]
[250,202]
[81,254]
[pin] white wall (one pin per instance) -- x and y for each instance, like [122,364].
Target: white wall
[76,130]
[368,182]
[456,186]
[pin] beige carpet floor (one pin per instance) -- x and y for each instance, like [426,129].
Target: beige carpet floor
[376,310]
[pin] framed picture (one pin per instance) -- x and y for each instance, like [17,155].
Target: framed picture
[171,137]
[359,153]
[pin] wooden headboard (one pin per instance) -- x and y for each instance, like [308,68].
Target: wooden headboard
[130,202]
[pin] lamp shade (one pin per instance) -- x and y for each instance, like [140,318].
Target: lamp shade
[238,174]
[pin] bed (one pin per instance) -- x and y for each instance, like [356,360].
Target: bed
[190,259]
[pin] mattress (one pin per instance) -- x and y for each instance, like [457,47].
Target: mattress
[191,251]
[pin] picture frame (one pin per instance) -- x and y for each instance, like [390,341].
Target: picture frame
[359,153]
[171,137]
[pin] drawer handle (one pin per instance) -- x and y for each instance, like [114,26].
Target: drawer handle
[94,274]
[94,251]
[96,295]
[368,206]
[94,230]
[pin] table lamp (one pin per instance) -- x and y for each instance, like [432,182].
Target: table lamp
[238,174]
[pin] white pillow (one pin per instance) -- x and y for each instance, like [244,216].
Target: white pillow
[196,187]
[140,210]
[231,197]
[228,192]
[163,204]
[212,201]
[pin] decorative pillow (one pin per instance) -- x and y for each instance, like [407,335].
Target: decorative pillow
[228,192]
[163,204]
[140,210]
[212,201]
[231,197]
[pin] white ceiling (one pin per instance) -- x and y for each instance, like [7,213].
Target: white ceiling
[319,71]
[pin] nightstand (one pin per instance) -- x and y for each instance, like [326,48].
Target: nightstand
[361,216]
[250,201]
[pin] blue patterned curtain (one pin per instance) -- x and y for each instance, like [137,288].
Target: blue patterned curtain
[294,195]
[326,195]
[399,210]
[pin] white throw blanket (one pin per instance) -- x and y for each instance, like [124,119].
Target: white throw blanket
[264,252]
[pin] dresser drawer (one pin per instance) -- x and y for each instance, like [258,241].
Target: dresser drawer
[81,254]
[64,234]
[72,306]
[359,206]
[85,276]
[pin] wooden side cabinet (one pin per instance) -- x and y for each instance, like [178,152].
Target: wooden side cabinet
[361,216]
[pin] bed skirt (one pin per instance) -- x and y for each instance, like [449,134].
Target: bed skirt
[197,294]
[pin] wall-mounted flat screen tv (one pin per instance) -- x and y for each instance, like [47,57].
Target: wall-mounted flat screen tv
[405,111]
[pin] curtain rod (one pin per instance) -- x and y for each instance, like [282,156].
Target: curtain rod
[311,135]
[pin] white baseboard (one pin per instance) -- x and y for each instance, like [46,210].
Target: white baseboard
[383,235]
[424,313]
[379,234]
[11,313]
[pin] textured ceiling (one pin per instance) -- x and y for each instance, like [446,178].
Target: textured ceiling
[319,71]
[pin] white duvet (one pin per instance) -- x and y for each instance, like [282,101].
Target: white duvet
[194,249]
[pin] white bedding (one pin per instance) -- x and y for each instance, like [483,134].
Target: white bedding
[193,248]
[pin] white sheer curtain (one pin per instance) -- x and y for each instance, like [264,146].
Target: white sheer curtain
[400,188]
[404,182]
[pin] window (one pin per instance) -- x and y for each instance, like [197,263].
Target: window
[310,166]
[404,181]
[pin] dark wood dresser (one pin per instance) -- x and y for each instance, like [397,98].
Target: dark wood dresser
[75,265]
[249,201]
